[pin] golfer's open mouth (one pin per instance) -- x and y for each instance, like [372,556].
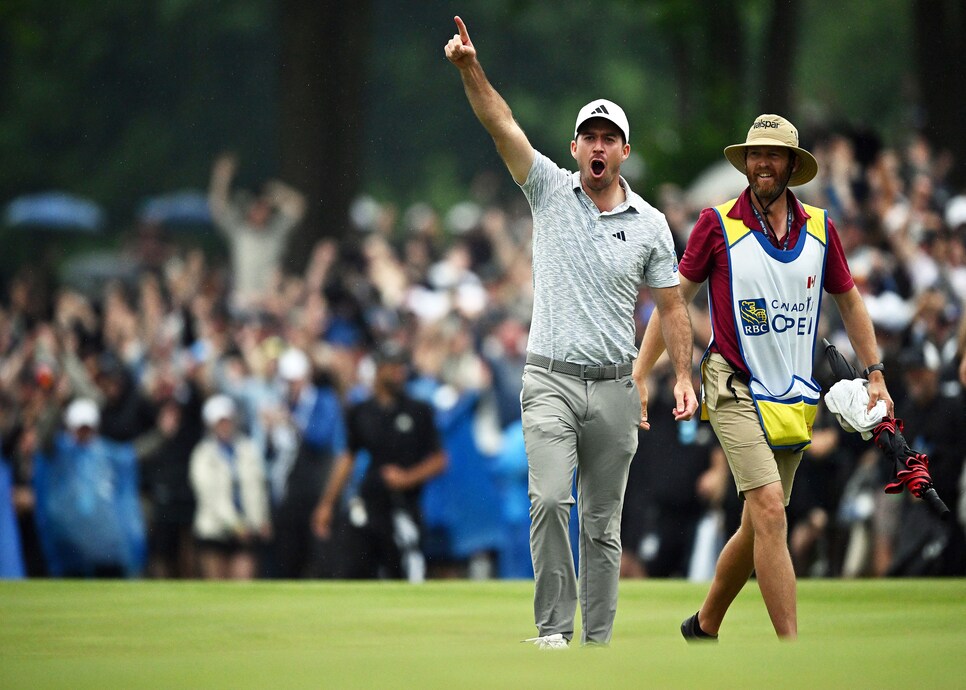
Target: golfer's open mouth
[597,167]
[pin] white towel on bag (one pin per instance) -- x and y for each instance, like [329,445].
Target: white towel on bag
[848,401]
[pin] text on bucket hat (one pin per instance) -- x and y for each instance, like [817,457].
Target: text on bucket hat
[607,110]
[774,130]
[82,412]
[217,408]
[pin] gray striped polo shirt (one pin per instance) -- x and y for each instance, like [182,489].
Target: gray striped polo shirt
[588,267]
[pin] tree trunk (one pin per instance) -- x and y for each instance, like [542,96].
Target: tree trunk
[940,55]
[322,74]
[781,42]
[726,70]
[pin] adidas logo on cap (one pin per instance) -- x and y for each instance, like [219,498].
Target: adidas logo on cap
[607,110]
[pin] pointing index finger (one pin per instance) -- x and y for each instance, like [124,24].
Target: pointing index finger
[464,34]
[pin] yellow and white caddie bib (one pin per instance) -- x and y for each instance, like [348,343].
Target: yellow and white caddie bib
[776,297]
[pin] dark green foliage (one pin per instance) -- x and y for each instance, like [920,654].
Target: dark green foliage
[119,100]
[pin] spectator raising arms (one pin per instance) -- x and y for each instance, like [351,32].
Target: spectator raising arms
[256,228]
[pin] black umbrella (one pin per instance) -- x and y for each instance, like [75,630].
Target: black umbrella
[910,468]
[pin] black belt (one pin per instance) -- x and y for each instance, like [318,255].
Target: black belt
[581,371]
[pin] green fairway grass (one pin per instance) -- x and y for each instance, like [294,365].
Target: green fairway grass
[465,635]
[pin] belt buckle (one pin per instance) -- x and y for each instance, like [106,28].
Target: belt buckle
[584,368]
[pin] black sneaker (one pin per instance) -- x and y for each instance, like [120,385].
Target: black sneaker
[692,632]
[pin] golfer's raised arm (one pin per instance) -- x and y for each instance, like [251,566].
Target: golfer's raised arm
[490,108]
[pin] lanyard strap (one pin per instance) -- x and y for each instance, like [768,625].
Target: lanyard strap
[767,229]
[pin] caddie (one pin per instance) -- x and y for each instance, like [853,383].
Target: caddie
[767,259]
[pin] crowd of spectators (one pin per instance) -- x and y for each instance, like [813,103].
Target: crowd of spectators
[215,388]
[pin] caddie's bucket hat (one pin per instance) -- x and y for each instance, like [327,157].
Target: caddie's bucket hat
[774,130]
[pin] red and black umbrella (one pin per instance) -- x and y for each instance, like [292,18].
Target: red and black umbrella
[910,468]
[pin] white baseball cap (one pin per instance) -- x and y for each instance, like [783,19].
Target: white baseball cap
[607,110]
[82,412]
[293,365]
[217,408]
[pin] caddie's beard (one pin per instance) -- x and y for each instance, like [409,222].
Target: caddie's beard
[774,191]
[766,196]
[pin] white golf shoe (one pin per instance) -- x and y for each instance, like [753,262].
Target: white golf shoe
[555,641]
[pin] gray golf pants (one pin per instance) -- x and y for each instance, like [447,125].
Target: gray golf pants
[589,427]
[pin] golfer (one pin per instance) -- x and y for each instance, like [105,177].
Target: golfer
[594,242]
[767,258]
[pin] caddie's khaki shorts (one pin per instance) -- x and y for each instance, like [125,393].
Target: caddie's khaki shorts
[735,421]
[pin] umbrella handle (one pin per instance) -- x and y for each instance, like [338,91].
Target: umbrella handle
[936,503]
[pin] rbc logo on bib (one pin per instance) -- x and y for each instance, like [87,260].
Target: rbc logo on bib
[754,318]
